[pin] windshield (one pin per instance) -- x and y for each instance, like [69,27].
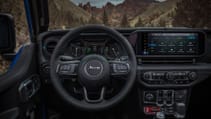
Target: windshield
[130,13]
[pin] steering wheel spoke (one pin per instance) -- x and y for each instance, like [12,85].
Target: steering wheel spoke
[100,99]
[67,67]
[119,68]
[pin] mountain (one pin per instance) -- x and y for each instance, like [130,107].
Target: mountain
[197,14]
[65,13]
[153,12]
[130,8]
[157,13]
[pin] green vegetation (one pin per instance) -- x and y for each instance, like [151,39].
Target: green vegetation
[93,20]
[140,23]
[105,18]
[124,22]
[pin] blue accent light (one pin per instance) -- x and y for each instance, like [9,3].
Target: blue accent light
[191,37]
[28,16]
[152,45]
[15,59]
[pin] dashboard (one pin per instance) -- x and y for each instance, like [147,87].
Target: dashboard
[146,43]
[170,62]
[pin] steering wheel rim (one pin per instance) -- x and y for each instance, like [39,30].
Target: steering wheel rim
[83,104]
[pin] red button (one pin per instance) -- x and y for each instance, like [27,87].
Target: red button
[151,110]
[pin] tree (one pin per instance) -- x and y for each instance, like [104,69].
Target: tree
[93,20]
[105,18]
[124,22]
[162,23]
[139,23]
[81,21]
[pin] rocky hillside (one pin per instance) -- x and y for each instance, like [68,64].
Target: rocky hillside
[151,12]
[130,8]
[158,14]
[193,14]
[64,13]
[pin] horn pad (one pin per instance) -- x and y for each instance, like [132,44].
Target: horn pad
[93,71]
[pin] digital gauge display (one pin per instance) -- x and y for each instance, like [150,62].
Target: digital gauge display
[170,43]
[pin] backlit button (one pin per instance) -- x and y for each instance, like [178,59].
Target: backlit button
[149,96]
[151,110]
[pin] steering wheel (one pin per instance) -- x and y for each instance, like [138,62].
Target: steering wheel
[93,70]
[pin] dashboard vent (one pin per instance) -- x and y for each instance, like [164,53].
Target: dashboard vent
[126,34]
[166,61]
[50,46]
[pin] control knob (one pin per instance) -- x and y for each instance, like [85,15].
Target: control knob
[160,115]
[147,76]
[149,96]
[192,76]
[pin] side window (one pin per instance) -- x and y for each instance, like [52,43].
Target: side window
[16,9]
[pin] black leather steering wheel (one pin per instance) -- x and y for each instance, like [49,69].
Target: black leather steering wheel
[93,70]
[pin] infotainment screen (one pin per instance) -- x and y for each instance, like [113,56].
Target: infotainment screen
[172,43]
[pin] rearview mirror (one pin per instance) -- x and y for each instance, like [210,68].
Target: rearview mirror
[7,34]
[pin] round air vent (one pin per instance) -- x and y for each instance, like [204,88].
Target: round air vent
[49,46]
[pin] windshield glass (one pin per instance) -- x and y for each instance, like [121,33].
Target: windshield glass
[130,13]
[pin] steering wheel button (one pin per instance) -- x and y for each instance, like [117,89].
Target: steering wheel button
[121,68]
[63,68]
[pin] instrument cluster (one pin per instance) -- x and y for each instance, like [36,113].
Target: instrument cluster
[102,46]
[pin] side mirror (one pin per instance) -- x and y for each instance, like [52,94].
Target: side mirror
[7,34]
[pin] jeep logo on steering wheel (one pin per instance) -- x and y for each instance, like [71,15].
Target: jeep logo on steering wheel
[94,67]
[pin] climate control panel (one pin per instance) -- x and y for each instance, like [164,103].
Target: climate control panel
[166,103]
[169,77]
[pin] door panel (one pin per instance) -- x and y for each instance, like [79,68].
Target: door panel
[24,67]
[10,114]
[19,85]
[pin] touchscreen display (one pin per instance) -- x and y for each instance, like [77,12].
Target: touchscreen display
[170,44]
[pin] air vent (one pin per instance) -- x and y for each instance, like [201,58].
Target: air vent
[126,34]
[165,61]
[50,46]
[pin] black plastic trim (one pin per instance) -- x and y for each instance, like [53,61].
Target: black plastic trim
[12,40]
[24,67]
[10,114]
[203,71]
